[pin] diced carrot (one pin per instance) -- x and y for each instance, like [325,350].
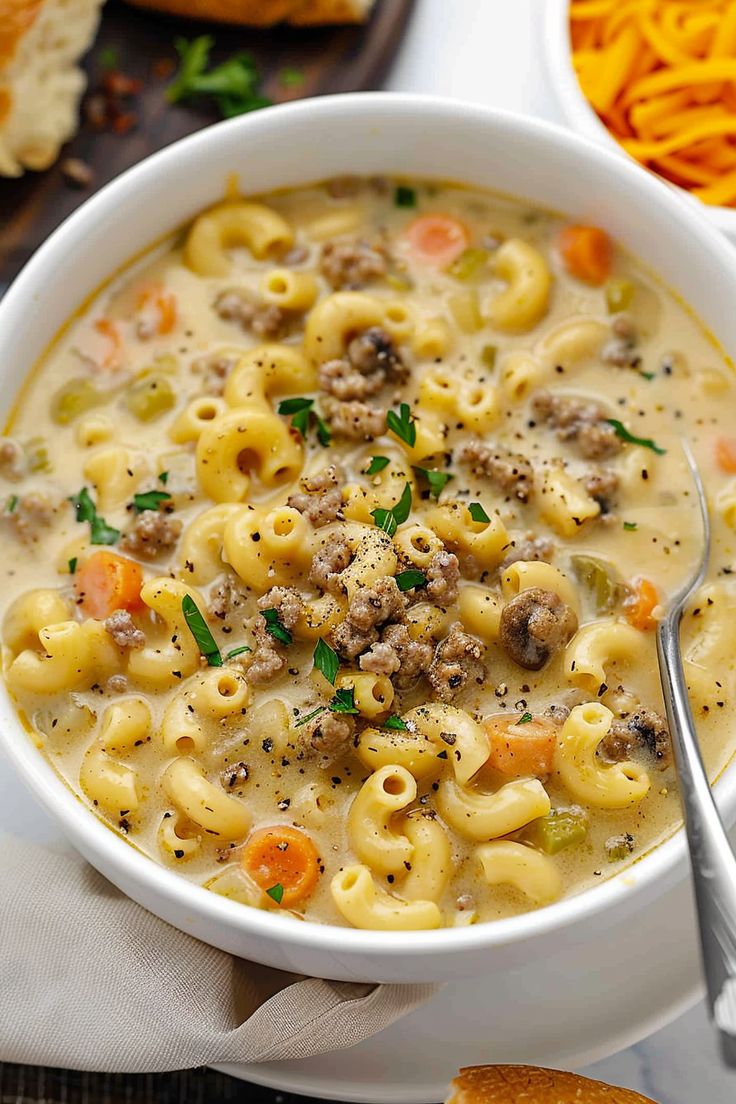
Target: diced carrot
[160,304]
[437,239]
[284,860]
[639,607]
[726,454]
[107,582]
[586,253]
[521,749]
[108,329]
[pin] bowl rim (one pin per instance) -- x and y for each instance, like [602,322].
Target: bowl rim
[580,115]
[661,866]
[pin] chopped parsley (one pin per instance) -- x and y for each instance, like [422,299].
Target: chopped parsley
[237,651]
[275,627]
[11,504]
[108,58]
[395,723]
[413,577]
[326,660]
[377,464]
[477,512]
[405,197]
[149,500]
[200,631]
[630,526]
[309,716]
[289,77]
[402,424]
[437,480]
[234,85]
[389,520]
[72,565]
[303,415]
[344,701]
[163,477]
[525,718]
[276,893]
[100,531]
[645,442]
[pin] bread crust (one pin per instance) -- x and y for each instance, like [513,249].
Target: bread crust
[534,1085]
[264,13]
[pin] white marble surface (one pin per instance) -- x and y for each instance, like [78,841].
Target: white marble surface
[490,51]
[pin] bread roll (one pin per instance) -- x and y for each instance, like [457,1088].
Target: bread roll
[532,1085]
[40,82]
[264,13]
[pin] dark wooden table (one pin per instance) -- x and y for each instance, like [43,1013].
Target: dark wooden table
[330,60]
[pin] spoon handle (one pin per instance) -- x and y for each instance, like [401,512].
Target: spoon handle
[713,862]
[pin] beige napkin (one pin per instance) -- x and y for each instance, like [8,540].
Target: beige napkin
[89,980]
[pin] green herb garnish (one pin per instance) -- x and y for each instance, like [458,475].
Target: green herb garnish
[11,504]
[389,520]
[310,716]
[275,627]
[237,651]
[377,464]
[344,701]
[525,718]
[408,580]
[630,526]
[395,723]
[477,512]
[149,500]
[437,480]
[100,531]
[645,442]
[200,631]
[405,197]
[276,893]
[233,85]
[72,565]
[289,77]
[402,424]
[163,477]
[108,58]
[302,413]
[326,660]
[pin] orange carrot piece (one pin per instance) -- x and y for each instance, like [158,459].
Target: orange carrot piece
[109,330]
[437,239]
[107,582]
[639,607]
[521,749]
[285,857]
[161,304]
[586,253]
[725,451]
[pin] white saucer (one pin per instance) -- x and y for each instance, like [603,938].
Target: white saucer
[610,995]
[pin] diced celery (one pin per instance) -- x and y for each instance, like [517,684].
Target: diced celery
[150,397]
[561,828]
[73,399]
[619,294]
[488,355]
[465,309]
[469,264]
[599,578]
[619,847]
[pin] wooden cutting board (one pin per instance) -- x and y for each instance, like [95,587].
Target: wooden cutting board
[141,43]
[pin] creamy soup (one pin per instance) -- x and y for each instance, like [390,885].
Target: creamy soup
[335,536]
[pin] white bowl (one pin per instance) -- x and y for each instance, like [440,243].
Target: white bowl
[291,145]
[581,116]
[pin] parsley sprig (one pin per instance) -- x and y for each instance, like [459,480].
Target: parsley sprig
[302,415]
[437,480]
[395,723]
[410,579]
[234,85]
[631,439]
[326,660]
[276,893]
[276,627]
[342,702]
[149,500]
[377,464]
[86,510]
[199,629]
[403,425]
[477,512]
[390,520]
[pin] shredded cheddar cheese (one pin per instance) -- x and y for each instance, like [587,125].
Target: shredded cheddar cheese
[661,75]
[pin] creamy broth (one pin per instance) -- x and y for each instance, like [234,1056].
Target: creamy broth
[523,385]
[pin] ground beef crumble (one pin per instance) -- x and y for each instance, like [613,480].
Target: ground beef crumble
[528,548]
[371,360]
[369,608]
[645,730]
[242,306]
[123,630]
[353,264]
[227,599]
[30,514]
[152,534]
[534,625]
[355,420]
[13,463]
[396,649]
[269,657]
[457,661]
[320,499]
[579,421]
[511,472]
[329,563]
[442,575]
[328,734]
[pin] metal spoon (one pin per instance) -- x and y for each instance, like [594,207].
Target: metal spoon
[712,860]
